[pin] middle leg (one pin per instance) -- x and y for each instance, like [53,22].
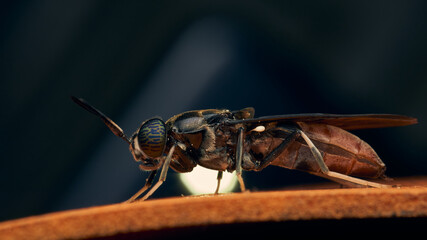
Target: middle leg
[219,177]
[239,156]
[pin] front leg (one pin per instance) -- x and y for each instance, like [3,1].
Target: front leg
[147,185]
[163,174]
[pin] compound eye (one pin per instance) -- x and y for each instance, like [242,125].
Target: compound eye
[152,137]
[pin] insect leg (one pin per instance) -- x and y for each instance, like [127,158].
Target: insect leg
[338,177]
[278,150]
[163,174]
[147,185]
[239,155]
[316,153]
[351,181]
[219,177]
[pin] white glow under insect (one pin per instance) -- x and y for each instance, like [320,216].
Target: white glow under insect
[203,181]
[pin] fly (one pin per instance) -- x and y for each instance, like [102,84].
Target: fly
[226,140]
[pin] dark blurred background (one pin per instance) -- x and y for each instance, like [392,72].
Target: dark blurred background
[137,59]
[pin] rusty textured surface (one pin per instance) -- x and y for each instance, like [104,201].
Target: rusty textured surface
[257,207]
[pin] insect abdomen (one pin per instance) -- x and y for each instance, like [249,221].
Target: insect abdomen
[342,152]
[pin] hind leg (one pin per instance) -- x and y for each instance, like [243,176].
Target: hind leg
[334,176]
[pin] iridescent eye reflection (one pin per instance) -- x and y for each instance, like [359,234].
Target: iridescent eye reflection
[204,181]
[152,137]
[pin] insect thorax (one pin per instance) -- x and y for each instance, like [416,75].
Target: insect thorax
[204,137]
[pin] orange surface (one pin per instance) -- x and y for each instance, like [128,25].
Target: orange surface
[256,207]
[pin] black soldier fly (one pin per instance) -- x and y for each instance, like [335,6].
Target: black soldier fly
[226,140]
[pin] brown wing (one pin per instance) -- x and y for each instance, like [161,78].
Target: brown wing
[347,122]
